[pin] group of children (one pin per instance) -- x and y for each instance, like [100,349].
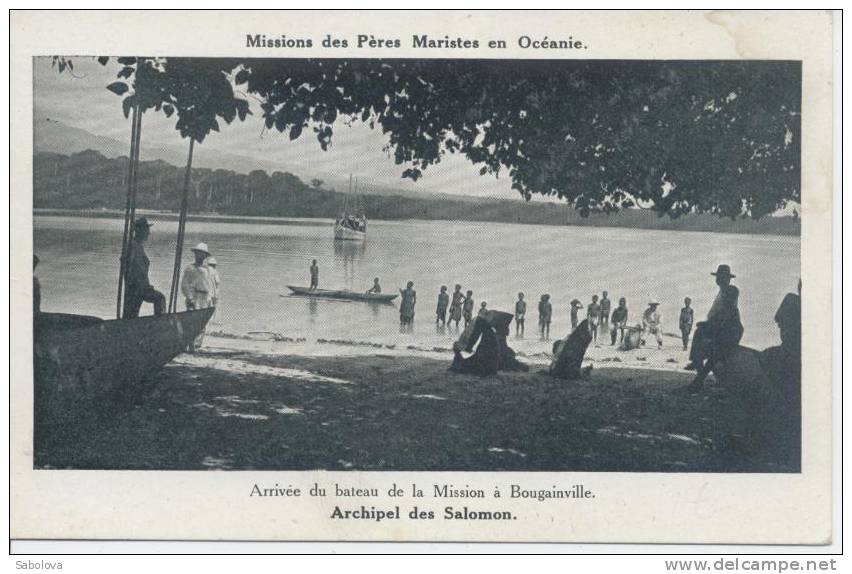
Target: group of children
[599,313]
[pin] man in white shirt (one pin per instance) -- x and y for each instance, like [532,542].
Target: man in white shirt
[196,285]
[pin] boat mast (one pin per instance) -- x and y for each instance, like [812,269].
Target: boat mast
[184,204]
[130,206]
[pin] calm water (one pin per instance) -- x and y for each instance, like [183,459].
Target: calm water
[79,268]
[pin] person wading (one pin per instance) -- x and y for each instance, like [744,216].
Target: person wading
[137,288]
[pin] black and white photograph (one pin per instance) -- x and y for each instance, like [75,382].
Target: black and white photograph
[424,276]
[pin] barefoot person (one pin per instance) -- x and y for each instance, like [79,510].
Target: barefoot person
[605,308]
[717,337]
[576,305]
[467,308]
[687,316]
[652,322]
[456,306]
[619,321]
[545,315]
[314,269]
[441,309]
[520,315]
[593,314]
[406,307]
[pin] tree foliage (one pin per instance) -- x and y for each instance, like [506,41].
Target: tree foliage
[718,137]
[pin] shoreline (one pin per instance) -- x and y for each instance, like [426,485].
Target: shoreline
[321,222]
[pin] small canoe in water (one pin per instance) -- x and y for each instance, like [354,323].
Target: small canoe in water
[343,294]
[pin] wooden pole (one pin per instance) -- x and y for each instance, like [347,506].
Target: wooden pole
[184,205]
[125,241]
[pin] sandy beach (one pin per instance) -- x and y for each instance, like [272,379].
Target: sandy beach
[248,408]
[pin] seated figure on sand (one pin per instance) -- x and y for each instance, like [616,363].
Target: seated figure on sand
[492,354]
[719,336]
[568,354]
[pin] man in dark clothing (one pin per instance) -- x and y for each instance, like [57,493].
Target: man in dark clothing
[569,352]
[137,288]
[493,353]
[717,337]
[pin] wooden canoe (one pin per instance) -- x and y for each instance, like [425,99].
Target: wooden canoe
[343,294]
[82,360]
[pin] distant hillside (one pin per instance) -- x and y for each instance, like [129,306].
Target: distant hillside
[50,135]
[91,180]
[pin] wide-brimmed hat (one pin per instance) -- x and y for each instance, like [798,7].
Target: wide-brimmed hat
[142,222]
[724,271]
[653,301]
[211,261]
[202,247]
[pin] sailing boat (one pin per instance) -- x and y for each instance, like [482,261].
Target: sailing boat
[82,361]
[352,223]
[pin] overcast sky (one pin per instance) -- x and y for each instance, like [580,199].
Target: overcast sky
[81,100]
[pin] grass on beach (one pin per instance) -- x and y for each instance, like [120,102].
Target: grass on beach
[246,411]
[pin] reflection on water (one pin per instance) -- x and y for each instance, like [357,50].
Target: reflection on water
[79,269]
[347,255]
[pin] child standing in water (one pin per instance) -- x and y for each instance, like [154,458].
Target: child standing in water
[593,314]
[576,305]
[686,318]
[441,310]
[545,314]
[467,308]
[520,314]
[456,306]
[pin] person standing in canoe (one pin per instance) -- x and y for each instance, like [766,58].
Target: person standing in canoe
[441,309]
[314,274]
[520,315]
[137,288]
[467,308]
[456,306]
[406,307]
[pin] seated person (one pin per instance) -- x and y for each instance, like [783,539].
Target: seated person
[492,354]
[568,354]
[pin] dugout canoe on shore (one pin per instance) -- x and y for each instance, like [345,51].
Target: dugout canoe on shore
[343,294]
[87,361]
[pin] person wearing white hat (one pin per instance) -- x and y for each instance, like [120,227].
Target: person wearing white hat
[196,285]
[652,321]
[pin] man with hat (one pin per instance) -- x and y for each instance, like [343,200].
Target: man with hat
[652,321]
[137,288]
[717,337]
[196,285]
